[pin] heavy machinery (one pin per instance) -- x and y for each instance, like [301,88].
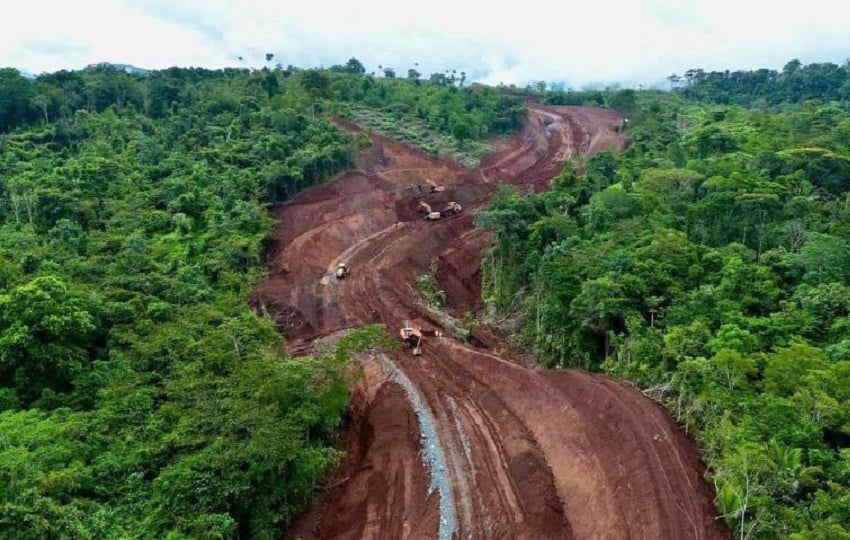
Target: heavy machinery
[342,270]
[452,208]
[412,337]
[429,213]
[429,187]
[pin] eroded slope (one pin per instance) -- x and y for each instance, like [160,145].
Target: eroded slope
[458,442]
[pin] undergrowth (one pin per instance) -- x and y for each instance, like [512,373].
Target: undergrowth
[415,133]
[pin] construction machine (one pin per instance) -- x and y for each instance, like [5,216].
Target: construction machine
[429,213]
[412,337]
[342,270]
[429,187]
[452,208]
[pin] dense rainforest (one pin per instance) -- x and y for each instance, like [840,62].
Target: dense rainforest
[710,264]
[140,396]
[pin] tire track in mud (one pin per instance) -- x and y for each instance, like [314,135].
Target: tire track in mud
[509,452]
[525,492]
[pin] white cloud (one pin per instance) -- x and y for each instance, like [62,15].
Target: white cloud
[47,36]
[580,42]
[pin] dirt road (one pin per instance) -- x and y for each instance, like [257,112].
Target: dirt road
[460,443]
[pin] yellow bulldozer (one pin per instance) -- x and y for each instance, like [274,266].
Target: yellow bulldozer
[342,270]
[452,208]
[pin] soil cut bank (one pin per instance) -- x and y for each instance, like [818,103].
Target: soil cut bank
[460,443]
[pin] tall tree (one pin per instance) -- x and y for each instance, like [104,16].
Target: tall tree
[317,84]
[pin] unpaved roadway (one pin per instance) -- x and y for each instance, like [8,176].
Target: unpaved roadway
[459,442]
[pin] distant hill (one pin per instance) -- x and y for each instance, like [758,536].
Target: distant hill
[129,68]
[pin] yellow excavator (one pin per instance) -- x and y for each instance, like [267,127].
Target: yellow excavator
[429,213]
[411,336]
[451,209]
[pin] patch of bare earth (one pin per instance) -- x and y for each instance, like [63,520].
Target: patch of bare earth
[458,442]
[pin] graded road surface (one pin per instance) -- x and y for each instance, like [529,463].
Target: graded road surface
[459,442]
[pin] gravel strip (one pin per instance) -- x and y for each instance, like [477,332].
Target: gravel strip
[432,450]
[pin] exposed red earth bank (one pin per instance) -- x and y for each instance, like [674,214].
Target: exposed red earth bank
[460,442]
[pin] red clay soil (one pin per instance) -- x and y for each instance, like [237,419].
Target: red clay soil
[460,443]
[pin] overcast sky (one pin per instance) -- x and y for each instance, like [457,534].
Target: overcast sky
[584,42]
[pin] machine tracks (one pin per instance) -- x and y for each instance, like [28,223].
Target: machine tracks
[459,443]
